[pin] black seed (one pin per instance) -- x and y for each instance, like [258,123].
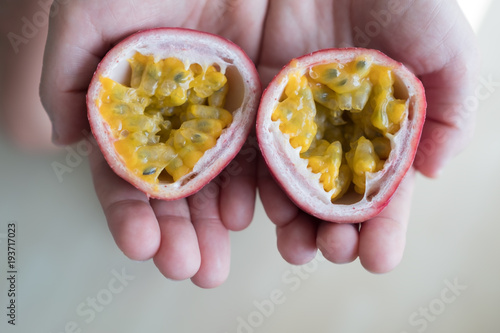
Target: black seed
[343,82]
[149,171]
[203,125]
[196,138]
[178,77]
[361,64]
[332,73]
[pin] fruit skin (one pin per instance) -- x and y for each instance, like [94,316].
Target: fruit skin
[291,172]
[198,47]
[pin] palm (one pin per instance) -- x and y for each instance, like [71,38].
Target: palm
[185,243]
[220,17]
[111,21]
[433,46]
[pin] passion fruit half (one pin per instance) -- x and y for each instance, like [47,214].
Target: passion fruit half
[339,129]
[171,107]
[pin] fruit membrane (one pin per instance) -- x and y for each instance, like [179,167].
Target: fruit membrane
[171,107]
[339,129]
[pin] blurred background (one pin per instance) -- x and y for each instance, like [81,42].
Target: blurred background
[72,278]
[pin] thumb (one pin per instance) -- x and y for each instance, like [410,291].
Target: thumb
[70,59]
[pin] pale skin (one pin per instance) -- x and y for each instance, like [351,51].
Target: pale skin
[22,119]
[431,37]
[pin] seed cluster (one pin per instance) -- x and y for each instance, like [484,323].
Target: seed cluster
[341,117]
[168,116]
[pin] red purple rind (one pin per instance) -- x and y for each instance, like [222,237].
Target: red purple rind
[251,82]
[377,204]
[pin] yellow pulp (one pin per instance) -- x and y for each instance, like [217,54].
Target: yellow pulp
[341,117]
[168,116]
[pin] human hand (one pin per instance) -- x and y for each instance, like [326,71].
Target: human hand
[184,239]
[144,229]
[430,37]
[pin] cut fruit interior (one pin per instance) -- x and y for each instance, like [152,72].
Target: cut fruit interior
[339,129]
[171,107]
[167,117]
[342,116]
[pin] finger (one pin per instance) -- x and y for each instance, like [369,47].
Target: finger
[382,239]
[238,21]
[69,62]
[439,144]
[238,189]
[130,217]
[213,237]
[178,257]
[451,115]
[292,30]
[295,230]
[20,66]
[297,239]
[338,242]
[279,208]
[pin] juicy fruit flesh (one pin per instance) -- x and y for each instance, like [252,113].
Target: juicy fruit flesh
[341,117]
[167,117]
